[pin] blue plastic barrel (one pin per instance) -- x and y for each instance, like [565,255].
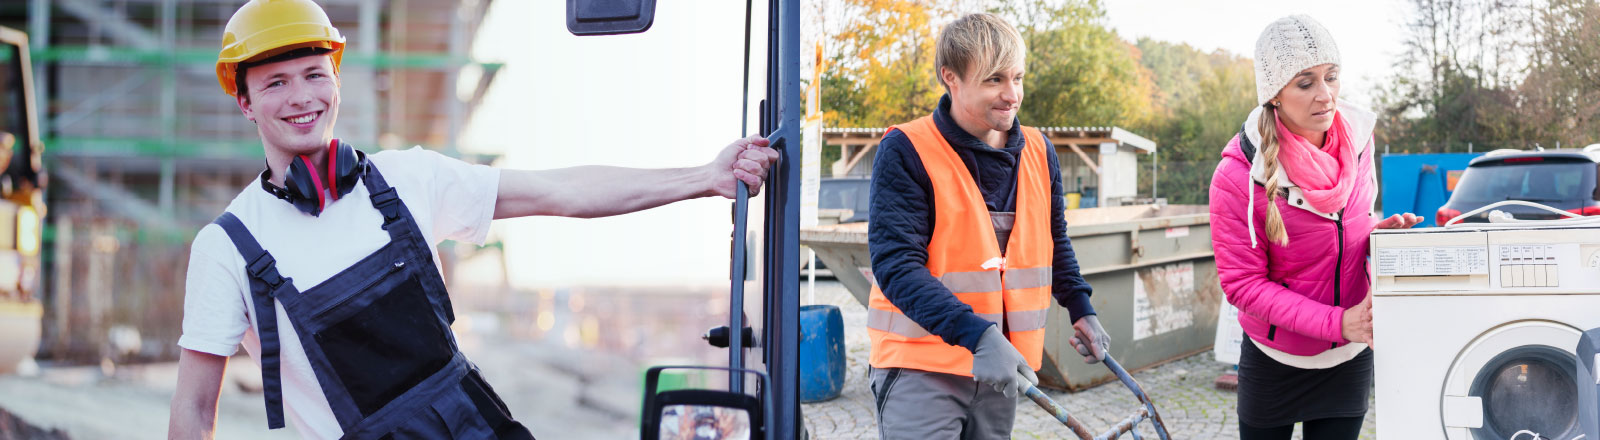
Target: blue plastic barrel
[821,353]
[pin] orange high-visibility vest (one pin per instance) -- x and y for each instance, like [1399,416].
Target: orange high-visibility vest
[1012,290]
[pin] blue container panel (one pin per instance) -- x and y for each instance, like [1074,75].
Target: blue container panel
[1419,183]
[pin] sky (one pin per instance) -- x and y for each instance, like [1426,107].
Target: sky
[669,97]
[1370,33]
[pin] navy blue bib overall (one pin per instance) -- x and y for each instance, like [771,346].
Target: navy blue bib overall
[377,336]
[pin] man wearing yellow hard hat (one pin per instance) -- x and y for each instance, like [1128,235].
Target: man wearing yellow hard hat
[341,301]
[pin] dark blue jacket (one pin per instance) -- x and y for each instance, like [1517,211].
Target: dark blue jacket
[902,225]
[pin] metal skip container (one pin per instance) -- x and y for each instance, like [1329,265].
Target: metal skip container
[1153,273]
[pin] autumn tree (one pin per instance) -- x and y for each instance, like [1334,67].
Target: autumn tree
[880,63]
[1079,72]
[1201,101]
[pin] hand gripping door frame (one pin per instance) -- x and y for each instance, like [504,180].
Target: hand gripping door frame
[779,122]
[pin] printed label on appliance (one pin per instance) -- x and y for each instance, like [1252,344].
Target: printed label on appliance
[1527,254]
[1433,260]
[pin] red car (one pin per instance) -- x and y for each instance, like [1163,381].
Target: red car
[1561,179]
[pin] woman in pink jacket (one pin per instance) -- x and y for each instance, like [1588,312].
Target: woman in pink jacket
[1291,209]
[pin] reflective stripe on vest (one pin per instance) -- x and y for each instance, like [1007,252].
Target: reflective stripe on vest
[1028,278]
[971,282]
[987,281]
[900,324]
[964,254]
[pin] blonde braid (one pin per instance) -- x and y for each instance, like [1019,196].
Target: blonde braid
[1269,153]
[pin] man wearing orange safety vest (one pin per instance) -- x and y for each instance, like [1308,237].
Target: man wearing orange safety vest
[968,244]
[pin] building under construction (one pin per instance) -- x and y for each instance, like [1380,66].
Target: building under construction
[142,148]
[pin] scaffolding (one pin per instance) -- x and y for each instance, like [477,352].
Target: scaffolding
[142,148]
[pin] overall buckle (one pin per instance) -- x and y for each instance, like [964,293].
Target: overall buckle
[265,268]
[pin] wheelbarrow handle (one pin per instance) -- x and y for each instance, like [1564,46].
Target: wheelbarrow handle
[1133,385]
[1125,426]
[1059,412]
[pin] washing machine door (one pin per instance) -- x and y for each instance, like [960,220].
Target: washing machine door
[1514,381]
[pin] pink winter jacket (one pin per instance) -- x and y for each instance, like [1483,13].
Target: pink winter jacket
[1292,298]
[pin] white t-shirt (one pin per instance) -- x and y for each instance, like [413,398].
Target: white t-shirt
[448,198]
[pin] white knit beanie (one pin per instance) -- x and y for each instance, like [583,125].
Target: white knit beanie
[1285,48]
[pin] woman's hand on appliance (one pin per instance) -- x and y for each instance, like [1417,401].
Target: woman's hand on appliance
[1357,325]
[1399,221]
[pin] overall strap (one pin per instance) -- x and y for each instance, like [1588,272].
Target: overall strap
[383,196]
[403,229]
[262,270]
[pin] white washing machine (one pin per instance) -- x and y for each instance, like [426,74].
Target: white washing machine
[1475,330]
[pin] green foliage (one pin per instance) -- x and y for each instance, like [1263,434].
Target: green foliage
[880,65]
[1201,102]
[1078,71]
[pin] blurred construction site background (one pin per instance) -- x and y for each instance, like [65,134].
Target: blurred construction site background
[140,149]
[143,149]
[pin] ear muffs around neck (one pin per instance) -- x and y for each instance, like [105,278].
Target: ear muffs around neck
[311,191]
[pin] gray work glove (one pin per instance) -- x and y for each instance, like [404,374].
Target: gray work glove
[998,364]
[1088,329]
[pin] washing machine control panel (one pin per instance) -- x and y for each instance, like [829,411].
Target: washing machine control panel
[1530,265]
[1493,261]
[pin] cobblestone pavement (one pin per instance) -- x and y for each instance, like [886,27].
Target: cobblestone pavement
[1182,390]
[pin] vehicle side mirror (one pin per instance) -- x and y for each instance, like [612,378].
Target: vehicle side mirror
[609,17]
[702,414]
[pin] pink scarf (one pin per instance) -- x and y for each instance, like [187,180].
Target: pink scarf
[1323,174]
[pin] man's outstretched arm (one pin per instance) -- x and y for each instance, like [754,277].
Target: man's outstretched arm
[601,191]
[194,405]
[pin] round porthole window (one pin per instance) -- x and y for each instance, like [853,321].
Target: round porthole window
[1528,388]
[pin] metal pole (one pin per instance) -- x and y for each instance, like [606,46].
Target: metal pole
[811,277]
[740,216]
[741,209]
[1059,412]
[39,39]
[456,108]
[783,220]
[168,186]
[367,46]
[169,104]
[1155,176]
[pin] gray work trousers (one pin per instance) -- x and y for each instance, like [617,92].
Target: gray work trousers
[923,405]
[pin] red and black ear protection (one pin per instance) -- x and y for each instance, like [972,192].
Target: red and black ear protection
[311,191]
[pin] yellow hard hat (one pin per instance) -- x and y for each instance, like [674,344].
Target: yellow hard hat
[263,28]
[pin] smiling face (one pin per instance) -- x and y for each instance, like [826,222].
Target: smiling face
[979,59]
[294,104]
[1306,105]
[985,105]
